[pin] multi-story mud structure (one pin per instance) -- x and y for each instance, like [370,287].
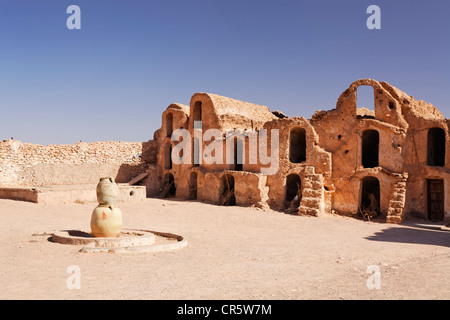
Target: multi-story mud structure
[391,161]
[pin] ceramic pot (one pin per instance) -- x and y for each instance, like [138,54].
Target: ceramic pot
[107,192]
[106,221]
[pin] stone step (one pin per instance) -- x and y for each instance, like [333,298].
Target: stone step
[400,185]
[311,202]
[400,190]
[398,197]
[395,211]
[309,211]
[312,193]
[310,170]
[396,204]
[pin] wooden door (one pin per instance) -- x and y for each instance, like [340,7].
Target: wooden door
[436,200]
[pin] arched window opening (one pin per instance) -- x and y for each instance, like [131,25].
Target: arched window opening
[197,114]
[365,98]
[297,145]
[370,148]
[436,147]
[169,124]
[168,156]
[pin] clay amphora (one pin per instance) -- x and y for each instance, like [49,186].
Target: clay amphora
[106,221]
[107,192]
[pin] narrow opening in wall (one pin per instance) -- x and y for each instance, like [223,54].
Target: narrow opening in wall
[297,146]
[168,156]
[169,124]
[227,197]
[293,191]
[193,186]
[169,189]
[436,147]
[370,196]
[370,148]
[365,99]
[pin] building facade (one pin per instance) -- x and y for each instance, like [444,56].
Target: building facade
[391,161]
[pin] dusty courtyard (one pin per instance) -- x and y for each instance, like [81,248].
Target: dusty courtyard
[232,253]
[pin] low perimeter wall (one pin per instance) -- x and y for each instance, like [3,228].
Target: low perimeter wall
[25,164]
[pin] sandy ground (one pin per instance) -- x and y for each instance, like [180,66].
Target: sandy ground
[232,253]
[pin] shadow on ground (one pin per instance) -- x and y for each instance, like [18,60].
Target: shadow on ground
[414,233]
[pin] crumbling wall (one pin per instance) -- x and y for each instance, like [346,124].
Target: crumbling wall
[342,131]
[313,170]
[26,164]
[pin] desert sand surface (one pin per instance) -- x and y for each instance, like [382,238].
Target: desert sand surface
[232,253]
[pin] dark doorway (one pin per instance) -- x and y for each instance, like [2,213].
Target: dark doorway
[370,197]
[169,124]
[169,189]
[293,191]
[168,156]
[193,186]
[227,197]
[297,146]
[370,148]
[436,197]
[436,147]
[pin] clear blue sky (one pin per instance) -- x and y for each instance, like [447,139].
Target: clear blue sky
[112,79]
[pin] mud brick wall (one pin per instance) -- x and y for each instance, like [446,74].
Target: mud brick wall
[26,164]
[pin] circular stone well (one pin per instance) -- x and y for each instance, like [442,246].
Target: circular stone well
[129,241]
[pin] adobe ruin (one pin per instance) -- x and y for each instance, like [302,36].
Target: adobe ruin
[391,161]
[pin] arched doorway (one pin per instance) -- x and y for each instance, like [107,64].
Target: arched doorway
[227,197]
[293,191]
[370,197]
[169,189]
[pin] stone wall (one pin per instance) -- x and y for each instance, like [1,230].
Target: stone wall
[26,164]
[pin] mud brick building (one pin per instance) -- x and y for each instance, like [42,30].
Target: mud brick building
[393,160]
